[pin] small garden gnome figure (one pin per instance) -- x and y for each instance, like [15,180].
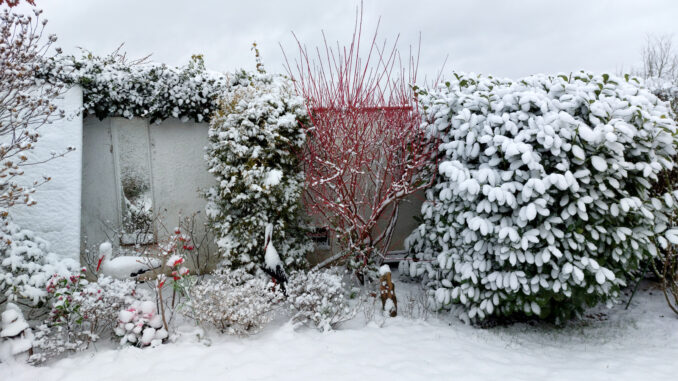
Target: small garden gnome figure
[387,292]
[16,337]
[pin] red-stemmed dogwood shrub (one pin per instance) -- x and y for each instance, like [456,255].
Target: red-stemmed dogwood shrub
[366,150]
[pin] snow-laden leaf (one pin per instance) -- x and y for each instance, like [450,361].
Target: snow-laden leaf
[578,152]
[672,236]
[599,163]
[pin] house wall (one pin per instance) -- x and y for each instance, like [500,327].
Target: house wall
[410,208]
[178,172]
[56,216]
[179,168]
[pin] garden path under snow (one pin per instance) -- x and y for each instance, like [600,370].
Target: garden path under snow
[634,344]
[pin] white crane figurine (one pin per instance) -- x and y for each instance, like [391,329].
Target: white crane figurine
[124,267]
[273,266]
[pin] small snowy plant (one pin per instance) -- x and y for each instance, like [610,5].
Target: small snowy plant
[65,328]
[235,302]
[140,325]
[318,297]
[81,312]
[16,337]
[254,138]
[545,200]
[26,265]
[174,253]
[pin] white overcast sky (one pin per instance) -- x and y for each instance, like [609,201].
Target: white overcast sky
[504,38]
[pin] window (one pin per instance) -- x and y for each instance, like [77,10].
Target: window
[321,237]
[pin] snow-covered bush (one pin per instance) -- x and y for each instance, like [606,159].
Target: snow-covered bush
[100,301]
[115,86]
[318,297]
[253,138]
[666,90]
[81,312]
[26,265]
[63,330]
[140,325]
[545,201]
[235,302]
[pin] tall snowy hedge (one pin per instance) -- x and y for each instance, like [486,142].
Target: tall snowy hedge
[544,201]
[254,138]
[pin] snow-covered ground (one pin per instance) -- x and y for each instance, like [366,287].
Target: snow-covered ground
[640,343]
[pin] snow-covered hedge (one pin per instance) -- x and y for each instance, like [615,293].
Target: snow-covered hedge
[252,152]
[544,202]
[114,86]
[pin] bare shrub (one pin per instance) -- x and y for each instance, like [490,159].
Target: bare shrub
[318,298]
[236,303]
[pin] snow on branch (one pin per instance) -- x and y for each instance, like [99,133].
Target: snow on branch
[365,149]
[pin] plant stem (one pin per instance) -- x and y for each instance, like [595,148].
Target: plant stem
[640,277]
[162,309]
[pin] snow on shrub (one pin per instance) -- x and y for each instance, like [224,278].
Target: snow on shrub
[140,325]
[115,86]
[26,265]
[81,312]
[100,302]
[252,152]
[544,202]
[318,297]
[235,302]
[664,89]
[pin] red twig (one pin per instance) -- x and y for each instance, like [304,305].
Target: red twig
[366,150]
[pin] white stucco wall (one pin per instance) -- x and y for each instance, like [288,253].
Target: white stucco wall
[56,216]
[177,168]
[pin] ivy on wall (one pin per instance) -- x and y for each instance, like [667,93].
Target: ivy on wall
[115,86]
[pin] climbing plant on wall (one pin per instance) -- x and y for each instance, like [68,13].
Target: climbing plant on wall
[116,86]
